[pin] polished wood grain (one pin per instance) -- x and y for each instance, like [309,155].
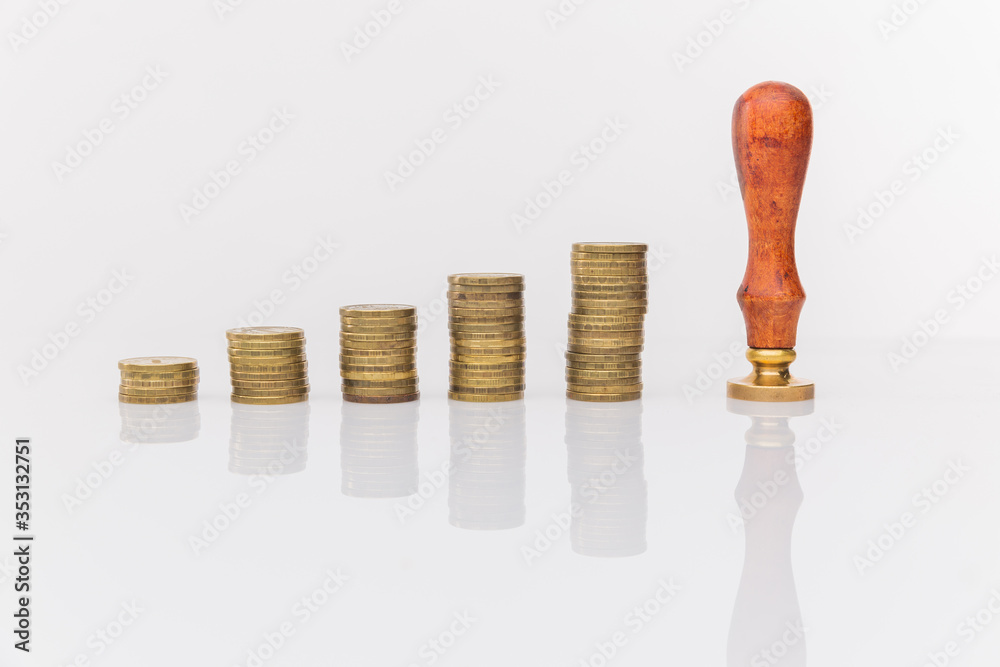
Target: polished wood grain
[772,139]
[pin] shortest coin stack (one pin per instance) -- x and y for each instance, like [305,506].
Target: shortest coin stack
[603,358]
[378,347]
[486,322]
[267,365]
[158,380]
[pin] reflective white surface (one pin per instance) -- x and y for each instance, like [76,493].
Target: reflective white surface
[871,539]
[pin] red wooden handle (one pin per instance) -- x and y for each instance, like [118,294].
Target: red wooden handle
[772,138]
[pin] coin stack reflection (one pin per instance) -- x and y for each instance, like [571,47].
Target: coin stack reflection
[606,324]
[487,476]
[488,346]
[269,439]
[159,424]
[378,345]
[605,450]
[267,365]
[378,450]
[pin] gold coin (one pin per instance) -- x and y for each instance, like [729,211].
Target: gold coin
[576,358]
[378,321]
[291,368]
[604,349]
[402,398]
[604,366]
[609,304]
[378,375]
[252,345]
[135,376]
[239,353]
[267,377]
[489,347]
[606,389]
[373,337]
[607,256]
[594,374]
[487,375]
[395,329]
[602,310]
[485,321]
[486,299]
[603,398]
[485,328]
[485,279]
[153,384]
[598,383]
[397,346]
[382,382]
[611,290]
[484,398]
[157,400]
[378,391]
[630,273]
[378,368]
[476,384]
[487,289]
[604,330]
[467,311]
[608,247]
[378,310]
[280,400]
[593,337]
[156,391]
[271,393]
[163,364]
[270,384]
[586,320]
[610,280]
[478,338]
[265,333]
[500,367]
[488,359]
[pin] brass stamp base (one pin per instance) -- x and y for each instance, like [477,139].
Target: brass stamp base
[770,380]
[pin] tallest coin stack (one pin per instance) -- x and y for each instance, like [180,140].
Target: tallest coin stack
[603,358]
[486,322]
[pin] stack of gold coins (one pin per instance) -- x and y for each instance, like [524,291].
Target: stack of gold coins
[267,365]
[486,321]
[603,358]
[158,380]
[378,353]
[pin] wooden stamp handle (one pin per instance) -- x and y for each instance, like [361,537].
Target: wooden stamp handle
[772,139]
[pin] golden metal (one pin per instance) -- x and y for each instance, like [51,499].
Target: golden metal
[770,380]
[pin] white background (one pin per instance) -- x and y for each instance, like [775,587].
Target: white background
[881,98]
